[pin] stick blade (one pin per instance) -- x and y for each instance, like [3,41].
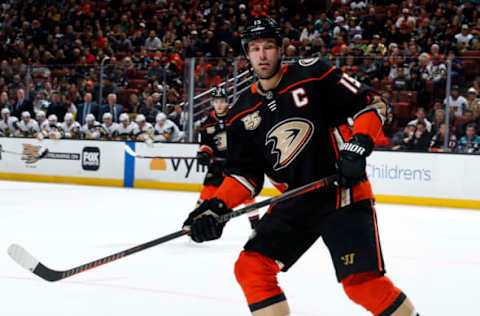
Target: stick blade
[27,261]
[22,257]
[130,151]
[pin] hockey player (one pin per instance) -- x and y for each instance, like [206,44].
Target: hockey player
[285,127]
[27,127]
[213,144]
[70,128]
[144,130]
[52,130]
[166,130]
[41,118]
[91,129]
[125,128]
[8,124]
[109,128]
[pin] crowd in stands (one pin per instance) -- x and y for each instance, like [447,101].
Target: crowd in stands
[75,59]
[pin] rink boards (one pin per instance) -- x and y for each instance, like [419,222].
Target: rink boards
[403,178]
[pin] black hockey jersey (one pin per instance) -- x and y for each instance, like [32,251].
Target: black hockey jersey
[290,133]
[213,136]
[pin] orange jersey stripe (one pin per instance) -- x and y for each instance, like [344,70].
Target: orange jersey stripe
[307,80]
[367,123]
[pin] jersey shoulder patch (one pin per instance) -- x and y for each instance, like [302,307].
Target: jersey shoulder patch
[305,62]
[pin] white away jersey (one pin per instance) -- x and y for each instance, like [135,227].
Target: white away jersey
[169,132]
[29,129]
[126,133]
[91,131]
[9,126]
[70,131]
[108,132]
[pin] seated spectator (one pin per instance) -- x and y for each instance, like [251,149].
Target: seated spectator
[464,37]
[91,129]
[470,143]
[112,107]
[473,103]
[108,128]
[421,117]
[362,76]
[438,140]
[8,124]
[401,82]
[437,72]
[457,67]
[438,118]
[420,140]
[460,127]
[166,130]
[457,102]
[417,83]
[27,127]
[133,104]
[70,129]
[125,130]
[376,47]
[41,103]
[401,138]
[143,131]
[371,68]
[291,51]
[153,43]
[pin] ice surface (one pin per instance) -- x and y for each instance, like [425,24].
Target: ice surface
[432,254]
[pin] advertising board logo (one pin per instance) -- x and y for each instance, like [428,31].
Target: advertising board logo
[183,165]
[158,164]
[91,158]
[31,154]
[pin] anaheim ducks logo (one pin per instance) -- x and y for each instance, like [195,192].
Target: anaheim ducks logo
[289,137]
[31,153]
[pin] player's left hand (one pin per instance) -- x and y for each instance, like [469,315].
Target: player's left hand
[352,160]
[203,221]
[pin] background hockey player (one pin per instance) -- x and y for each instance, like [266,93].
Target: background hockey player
[27,127]
[70,128]
[166,130]
[8,124]
[109,129]
[285,126]
[91,129]
[143,131]
[52,130]
[126,129]
[213,149]
[41,118]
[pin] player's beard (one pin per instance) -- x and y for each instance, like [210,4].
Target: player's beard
[267,76]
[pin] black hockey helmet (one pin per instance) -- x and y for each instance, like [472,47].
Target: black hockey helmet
[260,27]
[219,93]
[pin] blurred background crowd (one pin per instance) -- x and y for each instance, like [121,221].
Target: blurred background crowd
[115,69]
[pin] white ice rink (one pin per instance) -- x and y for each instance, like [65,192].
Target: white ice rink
[432,254]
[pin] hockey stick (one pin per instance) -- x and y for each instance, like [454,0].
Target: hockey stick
[134,154]
[42,155]
[27,261]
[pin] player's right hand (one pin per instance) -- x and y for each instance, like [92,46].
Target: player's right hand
[203,221]
[204,158]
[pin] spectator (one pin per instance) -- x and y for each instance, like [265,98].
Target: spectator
[22,104]
[439,118]
[460,127]
[85,108]
[457,67]
[56,106]
[421,117]
[401,138]
[8,124]
[417,83]
[438,140]
[41,103]
[470,143]
[133,104]
[5,102]
[149,110]
[153,43]
[401,82]
[419,140]
[112,107]
[473,103]
[405,18]
[464,37]
[437,72]
[457,102]
[376,47]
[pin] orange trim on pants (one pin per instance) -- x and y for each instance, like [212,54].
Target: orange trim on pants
[208,192]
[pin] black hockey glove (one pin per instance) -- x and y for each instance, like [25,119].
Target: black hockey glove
[204,158]
[352,160]
[203,221]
